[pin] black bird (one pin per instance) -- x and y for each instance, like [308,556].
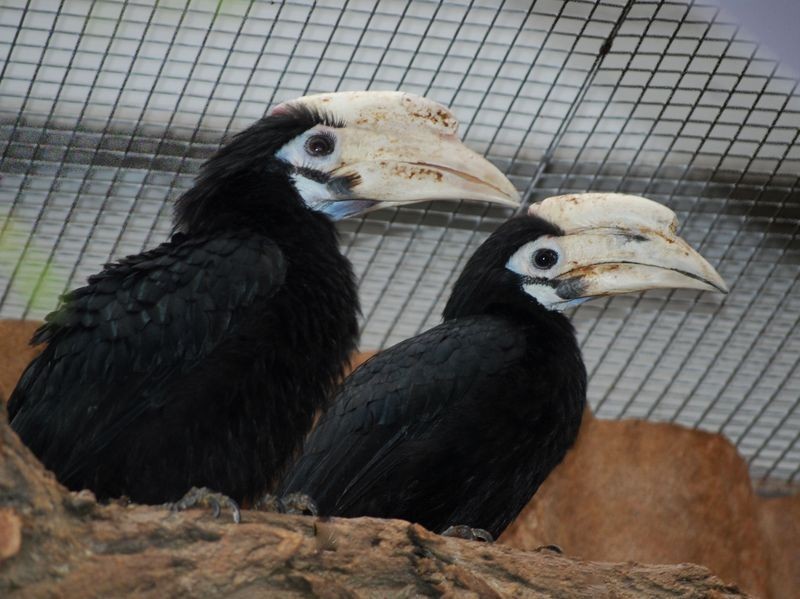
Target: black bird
[459,425]
[203,361]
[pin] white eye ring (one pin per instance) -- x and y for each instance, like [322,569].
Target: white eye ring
[317,149]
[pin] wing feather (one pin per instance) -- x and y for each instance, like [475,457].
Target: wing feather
[116,345]
[384,423]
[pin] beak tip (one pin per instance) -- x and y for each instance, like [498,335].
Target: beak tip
[511,200]
[715,281]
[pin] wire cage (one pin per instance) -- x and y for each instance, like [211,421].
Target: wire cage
[108,107]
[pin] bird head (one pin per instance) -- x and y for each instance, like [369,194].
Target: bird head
[611,244]
[341,154]
[358,151]
[573,248]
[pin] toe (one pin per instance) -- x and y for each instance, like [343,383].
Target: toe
[462,531]
[268,503]
[205,497]
[300,503]
[479,534]
[293,503]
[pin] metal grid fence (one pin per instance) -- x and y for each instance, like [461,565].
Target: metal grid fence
[108,107]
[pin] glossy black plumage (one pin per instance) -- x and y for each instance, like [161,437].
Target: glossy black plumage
[462,423]
[200,362]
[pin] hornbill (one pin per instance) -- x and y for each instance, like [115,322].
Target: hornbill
[202,362]
[458,426]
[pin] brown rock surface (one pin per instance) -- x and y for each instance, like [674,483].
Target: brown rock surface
[780,521]
[360,358]
[15,353]
[71,547]
[664,494]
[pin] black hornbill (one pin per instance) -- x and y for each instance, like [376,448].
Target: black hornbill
[202,362]
[459,425]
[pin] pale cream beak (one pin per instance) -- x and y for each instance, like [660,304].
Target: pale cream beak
[422,166]
[616,243]
[399,148]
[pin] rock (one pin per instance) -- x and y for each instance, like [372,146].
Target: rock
[779,518]
[143,552]
[15,353]
[656,493]
[10,533]
[360,358]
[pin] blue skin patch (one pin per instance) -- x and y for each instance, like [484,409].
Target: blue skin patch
[573,303]
[341,209]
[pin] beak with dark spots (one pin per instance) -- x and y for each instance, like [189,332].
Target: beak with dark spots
[616,243]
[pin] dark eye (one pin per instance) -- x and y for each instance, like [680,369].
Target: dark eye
[545,258]
[319,145]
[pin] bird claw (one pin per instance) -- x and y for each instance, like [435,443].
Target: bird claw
[205,497]
[293,503]
[462,531]
[550,549]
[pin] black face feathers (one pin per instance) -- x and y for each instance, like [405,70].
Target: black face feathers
[308,114]
[233,184]
[485,280]
[340,185]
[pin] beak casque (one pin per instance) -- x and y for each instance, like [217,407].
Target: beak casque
[617,243]
[399,148]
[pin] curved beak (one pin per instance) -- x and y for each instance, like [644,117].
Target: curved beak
[616,243]
[420,165]
[399,148]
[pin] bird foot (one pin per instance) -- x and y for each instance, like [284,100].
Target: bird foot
[205,497]
[462,531]
[293,503]
[550,549]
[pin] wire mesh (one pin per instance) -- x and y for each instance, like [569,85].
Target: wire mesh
[107,109]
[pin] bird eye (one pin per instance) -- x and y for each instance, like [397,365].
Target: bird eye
[545,258]
[319,145]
